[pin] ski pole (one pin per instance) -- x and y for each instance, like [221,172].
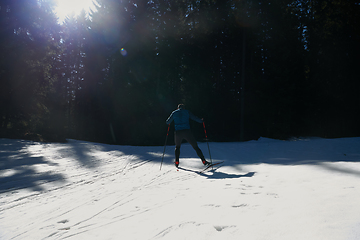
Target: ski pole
[207,141]
[167,134]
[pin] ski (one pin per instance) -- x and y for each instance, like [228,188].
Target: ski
[209,166]
[201,171]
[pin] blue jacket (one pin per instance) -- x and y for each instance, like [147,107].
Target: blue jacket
[181,119]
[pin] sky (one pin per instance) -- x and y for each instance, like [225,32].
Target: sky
[67,7]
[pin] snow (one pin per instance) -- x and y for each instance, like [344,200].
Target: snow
[266,189]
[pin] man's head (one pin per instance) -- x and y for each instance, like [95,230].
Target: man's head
[181,106]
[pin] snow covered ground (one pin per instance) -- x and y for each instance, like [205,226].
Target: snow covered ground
[267,189]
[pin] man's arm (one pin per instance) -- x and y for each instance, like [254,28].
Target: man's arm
[195,118]
[170,119]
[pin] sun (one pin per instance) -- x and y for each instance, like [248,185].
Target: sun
[67,7]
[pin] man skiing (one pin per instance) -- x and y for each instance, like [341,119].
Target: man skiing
[181,118]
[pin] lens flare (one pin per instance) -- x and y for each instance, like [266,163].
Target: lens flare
[123,52]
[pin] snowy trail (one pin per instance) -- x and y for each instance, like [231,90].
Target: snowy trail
[266,189]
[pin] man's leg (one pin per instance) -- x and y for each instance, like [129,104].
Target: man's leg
[191,139]
[177,155]
[178,139]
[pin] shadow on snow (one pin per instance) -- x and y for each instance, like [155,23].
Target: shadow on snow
[213,174]
[18,166]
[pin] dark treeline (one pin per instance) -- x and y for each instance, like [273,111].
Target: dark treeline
[250,68]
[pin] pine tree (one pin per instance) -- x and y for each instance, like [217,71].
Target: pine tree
[28,43]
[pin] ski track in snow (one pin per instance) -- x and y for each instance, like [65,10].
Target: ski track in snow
[266,189]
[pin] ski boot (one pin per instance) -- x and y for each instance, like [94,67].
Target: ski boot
[206,163]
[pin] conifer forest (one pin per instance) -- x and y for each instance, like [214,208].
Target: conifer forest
[250,68]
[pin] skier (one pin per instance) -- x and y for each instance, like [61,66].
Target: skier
[181,118]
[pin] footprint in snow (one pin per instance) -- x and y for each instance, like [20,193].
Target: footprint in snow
[63,221]
[220,228]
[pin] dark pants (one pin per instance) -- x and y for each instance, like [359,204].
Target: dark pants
[189,137]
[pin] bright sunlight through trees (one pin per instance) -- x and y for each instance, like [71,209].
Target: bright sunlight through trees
[67,7]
